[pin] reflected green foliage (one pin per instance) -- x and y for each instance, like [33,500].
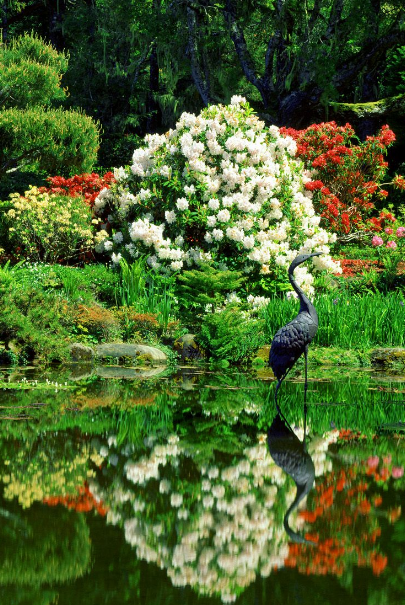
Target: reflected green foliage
[175,457]
[42,546]
[27,596]
[133,424]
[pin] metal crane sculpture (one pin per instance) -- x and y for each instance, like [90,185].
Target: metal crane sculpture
[293,339]
[291,455]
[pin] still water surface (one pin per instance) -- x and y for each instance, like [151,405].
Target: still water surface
[162,489]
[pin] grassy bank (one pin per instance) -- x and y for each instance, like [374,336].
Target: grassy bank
[45,308]
[347,320]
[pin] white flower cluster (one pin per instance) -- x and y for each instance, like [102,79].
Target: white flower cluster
[220,181]
[226,528]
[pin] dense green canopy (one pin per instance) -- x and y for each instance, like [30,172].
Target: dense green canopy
[137,65]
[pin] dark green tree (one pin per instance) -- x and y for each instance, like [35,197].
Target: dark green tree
[33,133]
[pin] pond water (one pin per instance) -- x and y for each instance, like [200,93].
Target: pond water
[159,487]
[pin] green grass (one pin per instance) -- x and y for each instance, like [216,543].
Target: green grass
[348,320]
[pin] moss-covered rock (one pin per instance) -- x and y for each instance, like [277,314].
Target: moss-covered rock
[188,349]
[139,352]
[388,356]
[383,107]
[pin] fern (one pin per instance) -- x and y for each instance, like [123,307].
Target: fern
[231,335]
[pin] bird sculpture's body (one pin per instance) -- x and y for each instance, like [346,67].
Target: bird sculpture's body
[290,454]
[293,339]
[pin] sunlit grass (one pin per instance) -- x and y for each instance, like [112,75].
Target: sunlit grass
[348,320]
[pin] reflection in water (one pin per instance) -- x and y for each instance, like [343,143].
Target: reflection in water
[39,546]
[291,455]
[214,527]
[182,480]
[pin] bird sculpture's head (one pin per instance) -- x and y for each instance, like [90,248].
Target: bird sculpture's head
[301,258]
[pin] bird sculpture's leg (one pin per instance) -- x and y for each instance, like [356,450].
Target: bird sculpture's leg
[275,396]
[306,376]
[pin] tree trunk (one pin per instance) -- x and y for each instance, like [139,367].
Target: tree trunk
[56,10]
[199,66]
[4,23]
[153,120]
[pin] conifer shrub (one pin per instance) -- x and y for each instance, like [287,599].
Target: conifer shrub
[34,135]
[53,140]
[204,289]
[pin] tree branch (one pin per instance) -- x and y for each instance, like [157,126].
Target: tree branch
[373,109]
[199,75]
[142,60]
[334,18]
[315,14]
[245,58]
[348,71]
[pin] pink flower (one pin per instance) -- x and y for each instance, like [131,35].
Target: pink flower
[389,230]
[401,232]
[377,241]
[387,459]
[373,461]
[391,244]
[397,471]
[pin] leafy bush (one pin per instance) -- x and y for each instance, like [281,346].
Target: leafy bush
[49,227]
[97,321]
[135,324]
[36,321]
[88,284]
[231,334]
[220,187]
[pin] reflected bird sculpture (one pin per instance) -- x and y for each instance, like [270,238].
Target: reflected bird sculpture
[290,454]
[293,339]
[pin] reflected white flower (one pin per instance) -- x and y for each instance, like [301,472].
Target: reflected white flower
[176,500]
[208,502]
[213,472]
[139,506]
[112,441]
[218,491]
[164,486]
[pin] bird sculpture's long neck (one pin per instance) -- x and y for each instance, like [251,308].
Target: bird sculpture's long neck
[302,491]
[305,303]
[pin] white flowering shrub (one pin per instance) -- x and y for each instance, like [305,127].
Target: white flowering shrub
[221,187]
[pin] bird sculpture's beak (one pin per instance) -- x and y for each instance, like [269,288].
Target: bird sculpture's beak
[317,254]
